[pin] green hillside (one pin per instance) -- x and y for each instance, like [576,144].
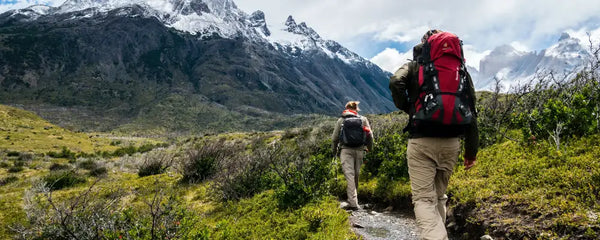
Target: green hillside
[21,131]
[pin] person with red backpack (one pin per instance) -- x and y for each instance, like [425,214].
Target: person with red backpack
[437,93]
[352,136]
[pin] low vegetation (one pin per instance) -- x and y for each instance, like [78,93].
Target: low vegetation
[537,177]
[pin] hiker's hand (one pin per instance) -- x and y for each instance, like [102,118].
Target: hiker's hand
[469,163]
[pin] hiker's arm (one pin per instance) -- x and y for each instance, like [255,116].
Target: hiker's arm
[335,137]
[472,133]
[398,84]
[370,135]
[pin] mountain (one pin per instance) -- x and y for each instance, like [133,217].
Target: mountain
[105,64]
[513,67]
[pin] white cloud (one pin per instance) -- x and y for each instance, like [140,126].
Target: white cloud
[484,24]
[582,35]
[473,57]
[390,59]
[520,46]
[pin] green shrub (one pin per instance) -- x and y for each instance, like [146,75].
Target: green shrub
[243,175]
[202,162]
[98,172]
[15,169]
[63,179]
[8,180]
[129,150]
[59,167]
[88,164]
[304,169]
[4,164]
[12,154]
[155,163]
[26,156]
[96,214]
[64,153]
[146,147]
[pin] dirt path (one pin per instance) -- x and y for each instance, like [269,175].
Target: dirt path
[374,225]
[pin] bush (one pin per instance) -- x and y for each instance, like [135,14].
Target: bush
[18,166]
[129,150]
[94,169]
[59,167]
[7,180]
[304,169]
[95,214]
[388,158]
[203,161]
[98,172]
[4,164]
[26,156]
[147,147]
[63,179]
[88,164]
[155,163]
[12,154]
[243,176]
[64,153]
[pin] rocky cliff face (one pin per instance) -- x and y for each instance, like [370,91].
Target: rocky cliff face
[127,57]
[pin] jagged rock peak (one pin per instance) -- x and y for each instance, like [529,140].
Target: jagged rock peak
[564,36]
[290,23]
[187,8]
[257,20]
[301,29]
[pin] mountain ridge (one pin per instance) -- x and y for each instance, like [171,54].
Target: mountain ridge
[515,68]
[120,59]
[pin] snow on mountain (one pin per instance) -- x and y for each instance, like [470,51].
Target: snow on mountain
[514,68]
[208,17]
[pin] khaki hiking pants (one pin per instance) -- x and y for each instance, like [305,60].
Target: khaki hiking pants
[351,161]
[430,165]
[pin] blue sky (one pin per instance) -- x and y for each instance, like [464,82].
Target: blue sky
[384,31]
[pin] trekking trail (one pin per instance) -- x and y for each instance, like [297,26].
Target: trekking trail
[375,225]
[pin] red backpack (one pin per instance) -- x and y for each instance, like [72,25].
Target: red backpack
[443,97]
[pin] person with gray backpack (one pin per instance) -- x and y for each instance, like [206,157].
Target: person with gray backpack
[352,136]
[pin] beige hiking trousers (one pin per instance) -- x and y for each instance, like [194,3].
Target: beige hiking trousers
[352,159]
[430,164]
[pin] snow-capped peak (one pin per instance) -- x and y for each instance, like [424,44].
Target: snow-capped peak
[301,28]
[565,58]
[209,17]
[566,48]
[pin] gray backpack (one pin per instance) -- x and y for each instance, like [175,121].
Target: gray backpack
[352,133]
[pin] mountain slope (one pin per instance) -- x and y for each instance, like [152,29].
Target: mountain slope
[123,59]
[24,131]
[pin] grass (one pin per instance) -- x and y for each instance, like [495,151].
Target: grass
[24,131]
[527,191]
[533,189]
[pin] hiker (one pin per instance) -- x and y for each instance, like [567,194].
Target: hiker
[440,110]
[352,136]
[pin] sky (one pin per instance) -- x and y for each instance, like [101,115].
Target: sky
[384,31]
